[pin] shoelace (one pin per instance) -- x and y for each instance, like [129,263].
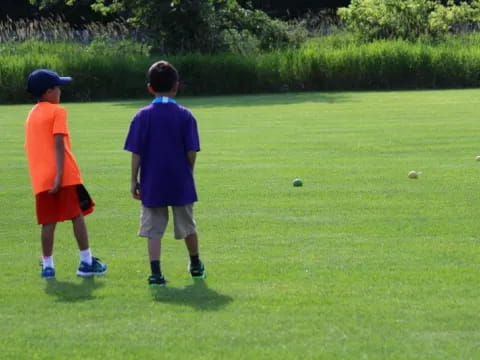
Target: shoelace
[95,260]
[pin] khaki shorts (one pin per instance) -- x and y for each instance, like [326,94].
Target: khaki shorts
[153,221]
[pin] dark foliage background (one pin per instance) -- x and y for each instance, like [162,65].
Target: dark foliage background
[81,12]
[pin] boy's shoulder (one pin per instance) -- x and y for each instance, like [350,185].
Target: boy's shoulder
[173,109]
[184,110]
[47,109]
[47,105]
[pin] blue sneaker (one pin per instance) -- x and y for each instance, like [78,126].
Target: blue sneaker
[48,273]
[97,268]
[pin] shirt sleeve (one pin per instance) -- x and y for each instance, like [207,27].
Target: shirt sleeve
[133,142]
[60,121]
[191,138]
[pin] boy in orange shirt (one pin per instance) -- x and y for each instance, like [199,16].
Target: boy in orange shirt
[56,179]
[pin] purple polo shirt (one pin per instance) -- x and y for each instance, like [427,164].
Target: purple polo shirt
[162,134]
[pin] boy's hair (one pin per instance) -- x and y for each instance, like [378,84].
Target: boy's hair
[162,76]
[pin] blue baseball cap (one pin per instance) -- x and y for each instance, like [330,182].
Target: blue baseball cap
[41,80]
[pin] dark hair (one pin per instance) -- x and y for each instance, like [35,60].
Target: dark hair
[162,76]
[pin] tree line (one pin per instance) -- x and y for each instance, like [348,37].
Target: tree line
[181,26]
[245,26]
[80,11]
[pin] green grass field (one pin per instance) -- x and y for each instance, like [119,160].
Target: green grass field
[359,263]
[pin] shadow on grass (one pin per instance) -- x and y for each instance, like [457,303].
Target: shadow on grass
[248,100]
[197,295]
[66,291]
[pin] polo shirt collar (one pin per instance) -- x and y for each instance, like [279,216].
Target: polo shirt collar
[163,100]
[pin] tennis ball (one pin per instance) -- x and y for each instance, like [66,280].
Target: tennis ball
[413,175]
[297,182]
[477,158]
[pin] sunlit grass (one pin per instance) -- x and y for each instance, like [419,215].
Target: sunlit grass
[360,262]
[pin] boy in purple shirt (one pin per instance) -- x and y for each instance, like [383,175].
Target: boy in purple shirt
[164,142]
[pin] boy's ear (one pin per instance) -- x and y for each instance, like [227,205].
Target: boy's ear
[150,89]
[46,93]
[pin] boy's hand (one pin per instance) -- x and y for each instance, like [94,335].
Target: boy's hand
[56,185]
[135,190]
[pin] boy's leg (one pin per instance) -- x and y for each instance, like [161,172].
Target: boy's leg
[154,250]
[80,232]
[185,227]
[153,222]
[48,232]
[81,235]
[89,265]
[191,241]
[185,224]
[195,267]
[47,238]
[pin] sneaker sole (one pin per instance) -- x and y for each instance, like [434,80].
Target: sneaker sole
[203,276]
[85,274]
[197,276]
[50,276]
[200,276]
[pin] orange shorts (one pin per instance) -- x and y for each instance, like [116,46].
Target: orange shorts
[67,204]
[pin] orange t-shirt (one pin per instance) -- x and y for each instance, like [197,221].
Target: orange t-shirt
[43,122]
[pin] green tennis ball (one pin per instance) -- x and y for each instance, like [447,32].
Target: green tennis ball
[297,182]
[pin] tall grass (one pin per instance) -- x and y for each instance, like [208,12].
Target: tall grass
[338,62]
[100,70]
[106,60]
[57,29]
[107,69]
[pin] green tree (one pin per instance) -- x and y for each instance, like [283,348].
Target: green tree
[194,25]
[454,17]
[375,19]
[407,19]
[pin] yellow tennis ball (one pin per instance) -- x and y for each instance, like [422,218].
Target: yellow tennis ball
[413,175]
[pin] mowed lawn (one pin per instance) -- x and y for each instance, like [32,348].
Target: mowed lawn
[359,263]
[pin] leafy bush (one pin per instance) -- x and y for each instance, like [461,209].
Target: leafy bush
[320,23]
[454,18]
[407,19]
[205,26]
[218,26]
[270,34]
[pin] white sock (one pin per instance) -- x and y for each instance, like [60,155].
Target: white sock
[47,261]
[86,256]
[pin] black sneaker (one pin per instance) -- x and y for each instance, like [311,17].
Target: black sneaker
[157,280]
[197,271]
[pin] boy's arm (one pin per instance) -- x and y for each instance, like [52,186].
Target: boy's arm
[59,162]
[192,156]
[134,184]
